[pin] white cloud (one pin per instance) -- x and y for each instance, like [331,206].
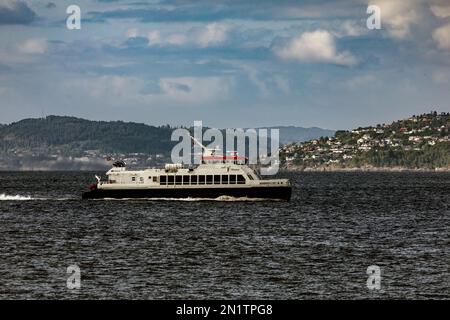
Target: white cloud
[132,33]
[403,17]
[442,36]
[440,11]
[154,37]
[352,29]
[212,34]
[317,46]
[398,15]
[177,39]
[34,46]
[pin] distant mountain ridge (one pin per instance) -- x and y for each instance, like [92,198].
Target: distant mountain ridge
[62,142]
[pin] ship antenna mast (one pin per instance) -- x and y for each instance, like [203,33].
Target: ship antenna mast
[205,150]
[197,142]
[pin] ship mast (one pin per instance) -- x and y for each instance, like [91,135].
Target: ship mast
[206,152]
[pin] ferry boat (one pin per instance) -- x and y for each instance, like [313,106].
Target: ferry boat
[217,177]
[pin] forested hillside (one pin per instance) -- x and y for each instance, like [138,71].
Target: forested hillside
[418,142]
[73,136]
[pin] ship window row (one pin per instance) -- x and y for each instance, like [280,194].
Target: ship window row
[201,179]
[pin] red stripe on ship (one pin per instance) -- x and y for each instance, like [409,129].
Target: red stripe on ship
[224,158]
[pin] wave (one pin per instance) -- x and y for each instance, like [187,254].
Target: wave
[4,197]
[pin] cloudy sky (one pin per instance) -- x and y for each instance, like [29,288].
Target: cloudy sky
[230,63]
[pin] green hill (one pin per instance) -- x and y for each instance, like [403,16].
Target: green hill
[73,136]
[419,142]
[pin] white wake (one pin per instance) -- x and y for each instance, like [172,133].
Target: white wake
[5,197]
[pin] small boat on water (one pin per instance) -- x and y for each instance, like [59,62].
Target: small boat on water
[215,178]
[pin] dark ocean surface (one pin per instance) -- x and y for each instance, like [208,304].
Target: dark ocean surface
[317,246]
